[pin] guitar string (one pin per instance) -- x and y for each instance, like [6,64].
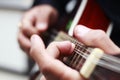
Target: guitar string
[77,43]
[79,46]
[106,61]
[110,62]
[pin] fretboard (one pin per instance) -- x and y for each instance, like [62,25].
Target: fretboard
[80,53]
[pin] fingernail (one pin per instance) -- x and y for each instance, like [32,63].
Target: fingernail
[42,25]
[34,39]
[81,30]
[73,47]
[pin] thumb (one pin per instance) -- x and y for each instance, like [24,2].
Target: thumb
[96,38]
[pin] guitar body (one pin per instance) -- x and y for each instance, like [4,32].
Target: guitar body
[93,17]
[90,14]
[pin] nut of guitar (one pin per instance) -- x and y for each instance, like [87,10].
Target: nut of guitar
[91,62]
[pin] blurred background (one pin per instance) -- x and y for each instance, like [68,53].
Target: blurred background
[13,62]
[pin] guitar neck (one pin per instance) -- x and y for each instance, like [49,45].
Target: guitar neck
[97,66]
[85,58]
[80,52]
[79,56]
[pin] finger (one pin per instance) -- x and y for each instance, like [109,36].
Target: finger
[57,49]
[42,22]
[46,16]
[28,25]
[42,78]
[24,42]
[46,63]
[37,48]
[54,49]
[96,38]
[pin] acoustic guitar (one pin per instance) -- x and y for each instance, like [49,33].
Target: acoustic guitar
[91,62]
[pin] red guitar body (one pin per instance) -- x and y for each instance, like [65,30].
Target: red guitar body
[94,17]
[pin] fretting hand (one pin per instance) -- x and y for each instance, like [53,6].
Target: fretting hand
[49,59]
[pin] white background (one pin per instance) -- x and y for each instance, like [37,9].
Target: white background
[11,56]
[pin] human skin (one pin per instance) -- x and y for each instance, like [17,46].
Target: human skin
[35,21]
[48,59]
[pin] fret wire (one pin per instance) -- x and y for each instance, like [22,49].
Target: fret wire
[79,65]
[84,51]
[80,50]
[77,59]
[73,59]
[72,62]
[81,53]
[80,45]
[69,59]
[83,56]
[76,42]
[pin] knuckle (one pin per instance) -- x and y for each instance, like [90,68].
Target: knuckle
[98,36]
[54,43]
[24,27]
[46,68]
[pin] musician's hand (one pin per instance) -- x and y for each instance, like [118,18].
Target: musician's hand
[95,38]
[35,21]
[49,58]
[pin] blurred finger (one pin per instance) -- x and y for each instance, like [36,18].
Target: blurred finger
[42,78]
[24,42]
[55,49]
[28,29]
[28,23]
[42,21]
[47,16]
[37,48]
[19,25]
[96,38]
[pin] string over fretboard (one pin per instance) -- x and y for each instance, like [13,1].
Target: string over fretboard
[89,56]
[80,52]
